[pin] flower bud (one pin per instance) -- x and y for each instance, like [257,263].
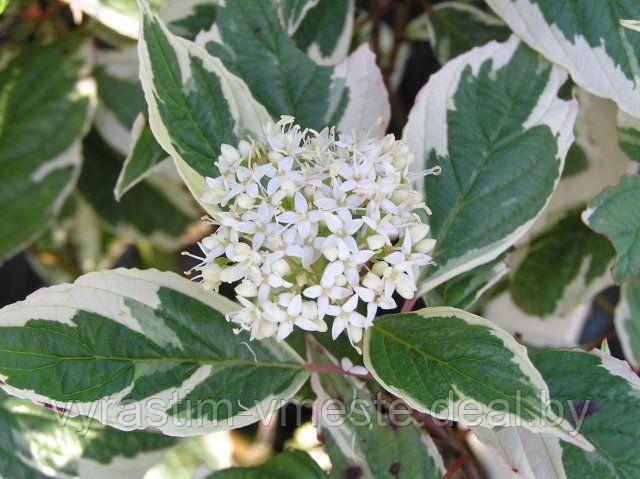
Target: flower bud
[419,232]
[375,242]
[229,153]
[425,245]
[245,148]
[280,267]
[379,268]
[211,276]
[210,242]
[247,289]
[245,201]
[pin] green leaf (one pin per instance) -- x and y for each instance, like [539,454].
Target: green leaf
[144,158]
[576,161]
[600,395]
[287,465]
[458,366]
[134,349]
[36,442]
[187,18]
[119,89]
[491,119]
[627,320]
[453,28]
[357,436]
[563,266]
[629,135]
[45,110]
[120,96]
[466,289]
[292,12]
[156,211]
[249,40]
[195,104]
[615,214]
[326,31]
[587,39]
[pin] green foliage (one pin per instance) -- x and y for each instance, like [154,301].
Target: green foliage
[564,266]
[96,119]
[614,213]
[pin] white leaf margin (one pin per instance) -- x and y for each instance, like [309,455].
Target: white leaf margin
[539,455]
[292,22]
[341,48]
[249,114]
[591,68]
[103,293]
[136,131]
[368,110]
[624,314]
[427,130]
[563,430]
[72,156]
[529,455]
[345,440]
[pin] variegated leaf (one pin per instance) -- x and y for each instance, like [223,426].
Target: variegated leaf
[184,17]
[358,438]
[326,31]
[549,332]
[195,104]
[120,97]
[158,211]
[465,290]
[136,349]
[627,320]
[563,267]
[615,214]
[453,28]
[145,157]
[45,109]
[629,135]
[187,18]
[456,365]
[292,12]
[36,443]
[119,16]
[530,455]
[491,119]
[596,136]
[587,39]
[249,40]
[600,395]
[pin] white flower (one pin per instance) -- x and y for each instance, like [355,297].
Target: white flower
[287,313]
[340,243]
[346,317]
[327,291]
[301,217]
[310,226]
[376,293]
[347,365]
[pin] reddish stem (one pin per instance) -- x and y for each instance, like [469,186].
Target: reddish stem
[457,464]
[409,304]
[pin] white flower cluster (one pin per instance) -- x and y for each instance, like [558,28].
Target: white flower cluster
[312,226]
